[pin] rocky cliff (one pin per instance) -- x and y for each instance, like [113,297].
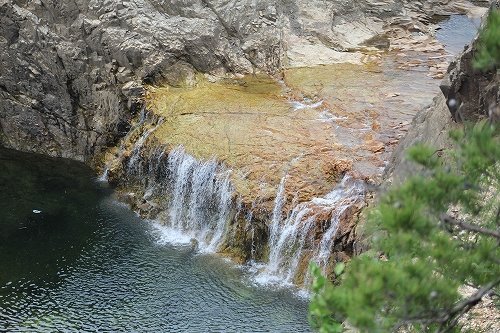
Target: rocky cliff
[71,72]
[467,94]
[68,67]
[78,76]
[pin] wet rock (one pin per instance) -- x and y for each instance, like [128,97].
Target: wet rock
[73,77]
[84,52]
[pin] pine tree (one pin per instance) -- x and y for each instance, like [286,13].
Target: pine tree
[424,252]
[488,55]
[436,232]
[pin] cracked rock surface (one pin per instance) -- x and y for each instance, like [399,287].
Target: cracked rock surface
[71,72]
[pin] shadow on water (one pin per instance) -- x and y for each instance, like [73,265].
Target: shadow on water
[48,208]
[87,263]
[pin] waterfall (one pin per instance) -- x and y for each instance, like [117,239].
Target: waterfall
[279,201]
[143,117]
[306,104]
[104,176]
[200,198]
[292,241]
[195,200]
[348,193]
[136,151]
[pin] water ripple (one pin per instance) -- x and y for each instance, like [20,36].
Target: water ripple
[88,264]
[124,281]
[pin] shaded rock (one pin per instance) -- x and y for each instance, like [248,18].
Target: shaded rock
[470,93]
[430,126]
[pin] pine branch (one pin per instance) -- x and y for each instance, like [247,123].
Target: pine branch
[448,318]
[469,227]
[451,318]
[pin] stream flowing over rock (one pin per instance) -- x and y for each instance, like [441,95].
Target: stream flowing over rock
[252,128]
[71,72]
[196,203]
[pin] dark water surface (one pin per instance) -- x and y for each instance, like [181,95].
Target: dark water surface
[85,263]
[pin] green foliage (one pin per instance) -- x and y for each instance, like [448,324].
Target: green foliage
[424,254]
[488,55]
[339,269]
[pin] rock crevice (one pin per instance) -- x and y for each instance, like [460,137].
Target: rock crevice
[63,63]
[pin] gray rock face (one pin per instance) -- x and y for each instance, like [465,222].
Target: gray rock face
[58,95]
[470,94]
[63,64]
[431,127]
[71,72]
[466,94]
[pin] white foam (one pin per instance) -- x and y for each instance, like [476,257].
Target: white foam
[292,237]
[165,235]
[304,105]
[326,116]
[270,280]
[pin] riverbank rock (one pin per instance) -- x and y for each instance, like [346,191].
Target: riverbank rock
[471,94]
[63,64]
[467,94]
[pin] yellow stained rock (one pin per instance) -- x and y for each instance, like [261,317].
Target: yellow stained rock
[250,125]
[314,125]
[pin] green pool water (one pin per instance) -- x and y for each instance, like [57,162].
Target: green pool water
[72,259]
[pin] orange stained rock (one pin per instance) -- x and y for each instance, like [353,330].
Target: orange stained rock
[250,125]
[258,127]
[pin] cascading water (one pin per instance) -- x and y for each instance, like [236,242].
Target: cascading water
[194,200]
[346,195]
[105,175]
[279,201]
[200,196]
[306,104]
[134,158]
[292,239]
[143,117]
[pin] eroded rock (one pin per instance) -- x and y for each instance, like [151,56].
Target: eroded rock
[63,64]
[73,75]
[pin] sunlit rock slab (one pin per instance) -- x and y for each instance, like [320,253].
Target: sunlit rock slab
[370,106]
[314,124]
[250,125]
